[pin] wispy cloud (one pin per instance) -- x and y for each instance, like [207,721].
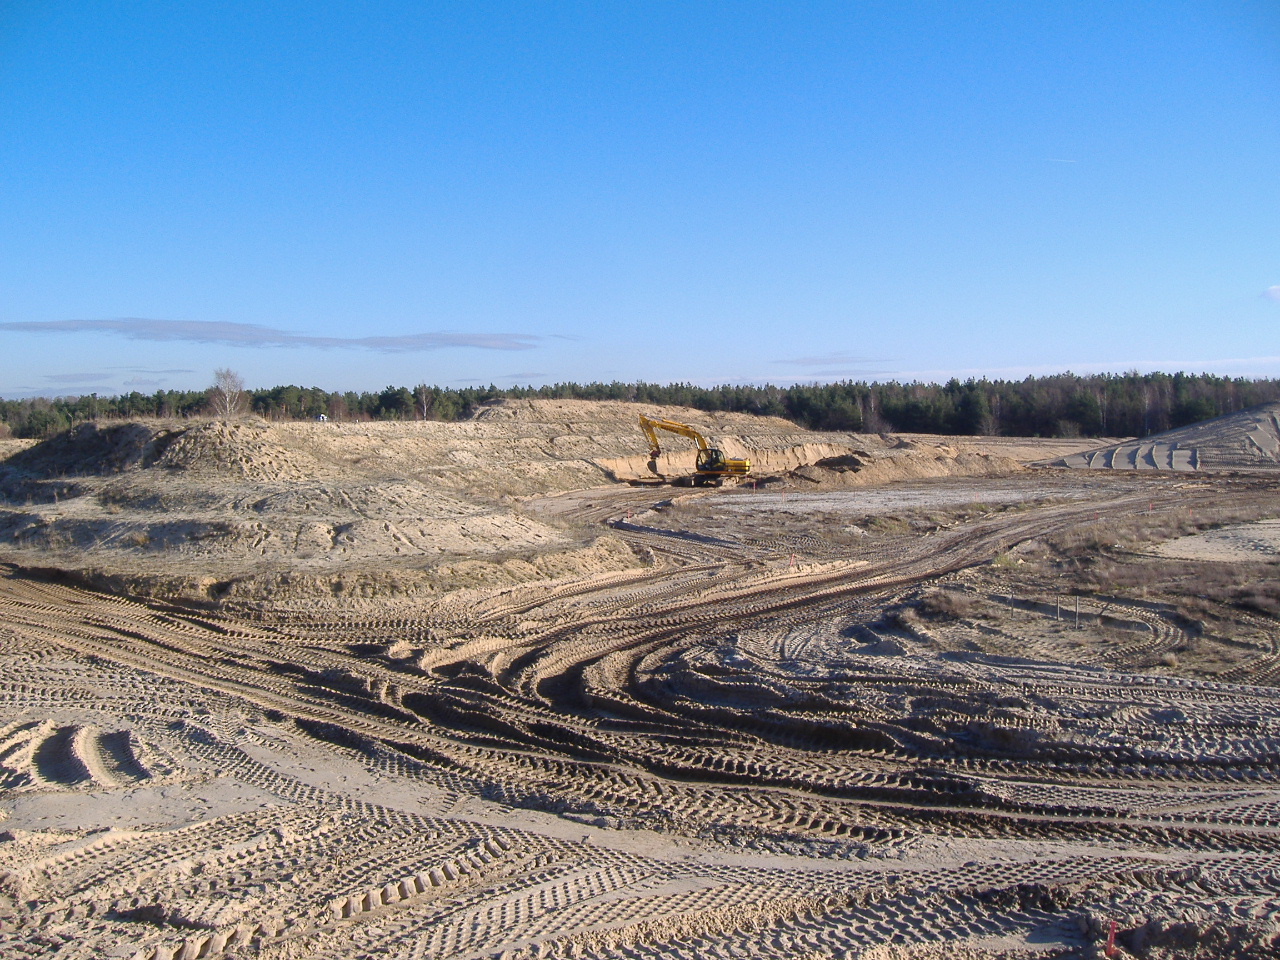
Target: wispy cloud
[141,377]
[77,377]
[154,373]
[1272,293]
[256,335]
[1059,160]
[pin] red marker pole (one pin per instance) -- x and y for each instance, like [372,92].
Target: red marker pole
[1111,940]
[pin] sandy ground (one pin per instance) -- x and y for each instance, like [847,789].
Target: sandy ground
[1258,541]
[973,714]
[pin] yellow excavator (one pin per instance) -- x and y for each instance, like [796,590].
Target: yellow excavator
[712,465]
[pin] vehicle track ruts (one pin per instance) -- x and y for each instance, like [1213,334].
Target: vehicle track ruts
[661,698]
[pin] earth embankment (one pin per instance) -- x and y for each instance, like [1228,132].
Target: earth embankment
[215,510]
[1245,441]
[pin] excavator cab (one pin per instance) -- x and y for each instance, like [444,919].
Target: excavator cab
[710,460]
[711,468]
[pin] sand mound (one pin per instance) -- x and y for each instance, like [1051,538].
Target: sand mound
[90,449]
[244,449]
[594,417]
[1248,440]
[241,449]
[907,462]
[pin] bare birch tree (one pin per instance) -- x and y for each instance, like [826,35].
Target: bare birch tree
[227,398]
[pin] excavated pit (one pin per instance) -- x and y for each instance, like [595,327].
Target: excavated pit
[907,700]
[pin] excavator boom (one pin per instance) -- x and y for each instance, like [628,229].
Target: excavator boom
[650,426]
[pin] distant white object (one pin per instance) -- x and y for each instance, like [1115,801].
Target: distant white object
[322,418]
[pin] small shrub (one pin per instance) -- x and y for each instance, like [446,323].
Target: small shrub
[889,525]
[1264,598]
[947,604]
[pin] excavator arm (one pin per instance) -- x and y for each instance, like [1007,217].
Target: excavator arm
[651,426]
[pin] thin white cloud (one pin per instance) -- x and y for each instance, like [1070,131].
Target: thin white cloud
[256,335]
[77,377]
[154,373]
[1272,293]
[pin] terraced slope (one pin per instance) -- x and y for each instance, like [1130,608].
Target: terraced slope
[1248,440]
[212,510]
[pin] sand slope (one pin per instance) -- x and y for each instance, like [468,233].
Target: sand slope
[1248,440]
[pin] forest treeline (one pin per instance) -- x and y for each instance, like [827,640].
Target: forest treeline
[1062,405]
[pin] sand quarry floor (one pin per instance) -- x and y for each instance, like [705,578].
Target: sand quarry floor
[458,690]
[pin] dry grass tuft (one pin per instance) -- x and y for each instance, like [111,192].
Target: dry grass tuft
[950,605]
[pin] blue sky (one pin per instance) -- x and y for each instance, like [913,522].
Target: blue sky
[352,195]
